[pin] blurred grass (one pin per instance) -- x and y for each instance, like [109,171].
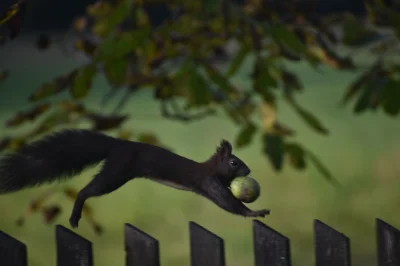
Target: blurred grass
[361,151]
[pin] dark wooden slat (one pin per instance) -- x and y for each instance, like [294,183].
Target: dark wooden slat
[72,249]
[332,248]
[12,251]
[206,248]
[270,247]
[140,248]
[388,241]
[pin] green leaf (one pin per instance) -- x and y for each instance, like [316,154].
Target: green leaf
[53,87]
[121,46]
[291,81]
[274,148]
[237,61]
[363,102]
[322,168]
[309,118]
[288,38]
[246,135]
[263,81]
[116,71]
[391,98]
[119,14]
[296,155]
[355,33]
[198,93]
[104,25]
[83,81]
[394,19]
[210,6]
[219,79]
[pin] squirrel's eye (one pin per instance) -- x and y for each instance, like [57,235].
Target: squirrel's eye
[233,162]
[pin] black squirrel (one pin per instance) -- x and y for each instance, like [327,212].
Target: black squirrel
[68,152]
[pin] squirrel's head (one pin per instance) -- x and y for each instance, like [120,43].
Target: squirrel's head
[226,165]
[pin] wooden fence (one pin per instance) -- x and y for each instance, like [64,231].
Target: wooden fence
[271,248]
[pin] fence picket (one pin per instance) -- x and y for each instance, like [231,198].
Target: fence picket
[12,251]
[206,248]
[72,249]
[140,248]
[388,244]
[270,247]
[332,248]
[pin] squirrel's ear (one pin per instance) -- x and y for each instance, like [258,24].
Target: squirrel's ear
[225,148]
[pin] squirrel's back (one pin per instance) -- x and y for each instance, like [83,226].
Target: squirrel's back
[59,155]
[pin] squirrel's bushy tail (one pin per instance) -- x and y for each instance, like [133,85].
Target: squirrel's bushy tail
[57,156]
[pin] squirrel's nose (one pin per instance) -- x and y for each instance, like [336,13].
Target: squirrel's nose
[246,172]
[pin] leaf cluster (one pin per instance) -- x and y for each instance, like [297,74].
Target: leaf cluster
[189,60]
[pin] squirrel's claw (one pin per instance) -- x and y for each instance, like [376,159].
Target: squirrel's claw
[74,221]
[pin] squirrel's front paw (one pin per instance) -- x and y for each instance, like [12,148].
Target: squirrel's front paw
[260,213]
[74,221]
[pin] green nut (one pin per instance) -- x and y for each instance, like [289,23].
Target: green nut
[245,189]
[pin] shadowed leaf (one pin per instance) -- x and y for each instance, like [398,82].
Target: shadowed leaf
[309,118]
[355,32]
[57,85]
[255,37]
[322,168]
[246,135]
[57,118]
[274,148]
[51,213]
[237,60]
[27,115]
[370,95]
[71,107]
[83,81]
[210,6]
[35,205]
[4,143]
[116,71]
[391,98]
[296,155]
[282,130]
[288,38]
[286,53]
[363,80]
[121,45]
[99,9]
[219,79]
[3,75]
[12,143]
[88,47]
[106,122]
[291,83]
[13,18]
[262,80]
[199,95]
[106,24]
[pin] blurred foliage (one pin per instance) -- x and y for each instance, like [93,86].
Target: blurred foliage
[189,59]
[12,18]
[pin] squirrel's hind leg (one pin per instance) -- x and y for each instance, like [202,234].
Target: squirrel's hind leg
[113,175]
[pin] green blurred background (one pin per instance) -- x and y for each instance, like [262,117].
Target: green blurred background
[362,152]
